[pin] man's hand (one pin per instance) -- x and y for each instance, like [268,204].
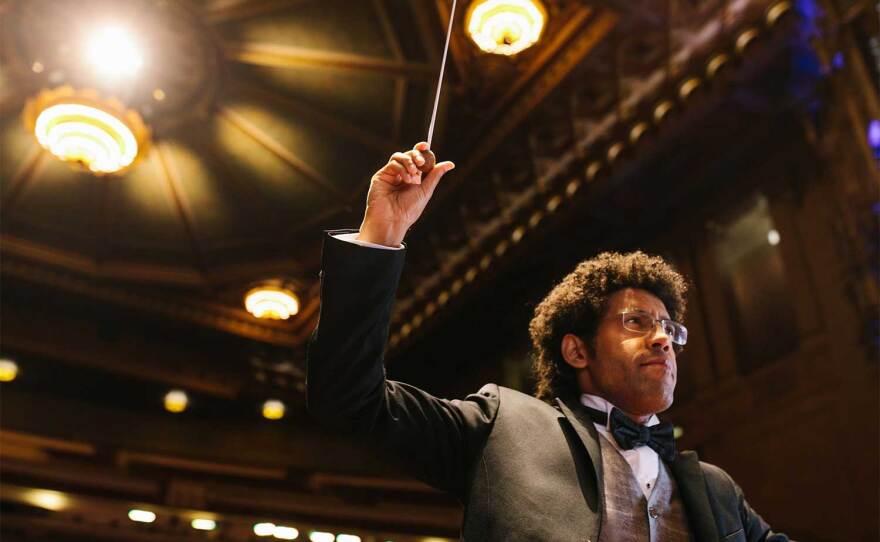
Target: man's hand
[399,193]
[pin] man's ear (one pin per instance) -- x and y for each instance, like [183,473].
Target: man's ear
[575,351]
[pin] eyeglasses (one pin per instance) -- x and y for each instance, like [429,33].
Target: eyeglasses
[642,322]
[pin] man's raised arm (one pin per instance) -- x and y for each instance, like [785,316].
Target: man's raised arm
[346,385]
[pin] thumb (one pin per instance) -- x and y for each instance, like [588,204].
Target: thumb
[431,180]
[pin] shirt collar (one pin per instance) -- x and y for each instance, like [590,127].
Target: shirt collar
[594,401]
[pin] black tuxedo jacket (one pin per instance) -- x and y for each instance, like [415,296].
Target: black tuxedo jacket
[523,469]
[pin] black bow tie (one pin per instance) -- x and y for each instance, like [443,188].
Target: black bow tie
[630,434]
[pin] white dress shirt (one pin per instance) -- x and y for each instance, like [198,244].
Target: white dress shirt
[350,237]
[644,461]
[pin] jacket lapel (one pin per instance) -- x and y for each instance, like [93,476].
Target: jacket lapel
[694,496]
[583,425]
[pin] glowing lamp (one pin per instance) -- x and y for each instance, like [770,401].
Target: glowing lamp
[141,516]
[271,302]
[176,401]
[505,27]
[264,529]
[113,52]
[320,536]
[273,409]
[348,538]
[82,129]
[203,524]
[50,500]
[8,370]
[285,533]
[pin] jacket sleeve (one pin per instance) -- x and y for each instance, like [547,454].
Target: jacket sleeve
[436,440]
[736,513]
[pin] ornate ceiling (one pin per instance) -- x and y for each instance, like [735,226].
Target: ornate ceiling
[267,119]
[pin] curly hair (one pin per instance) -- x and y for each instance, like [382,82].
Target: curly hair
[578,303]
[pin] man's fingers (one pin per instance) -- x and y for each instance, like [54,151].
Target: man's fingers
[393,172]
[406,161]
[436,174]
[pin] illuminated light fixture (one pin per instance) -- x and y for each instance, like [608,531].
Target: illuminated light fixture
[662,110]
[773,237]
[417,320]
[271,302]
[501,248]
[637,132]
[471,274]
[273,409]
[50,500]
[457,285]
[485,262]
[38,67]
[264,529]
[394,340]
[430,308]
[744,39]
[443,298]
[553,204]
[158,94]
[405,330]
[113,52]
[204,524]
[572,187]
[176,401]
[347,538]
[593,170]
[776,11]
[505,27]
[718,61]
[318,536]
[677,431]
[517,234]
[614,151]
[536,218]
[285,533]
[82,129]
[688,87]
[141,516]
[8,370]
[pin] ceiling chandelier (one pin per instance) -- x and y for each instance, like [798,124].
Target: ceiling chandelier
[81,128]
[271,302]
[505,27]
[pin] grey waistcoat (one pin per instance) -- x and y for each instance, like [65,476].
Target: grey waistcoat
[629,516]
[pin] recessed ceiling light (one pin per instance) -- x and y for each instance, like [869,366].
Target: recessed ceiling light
[141,516]
[8,370]
[273,409]
[176,401]
[204,524]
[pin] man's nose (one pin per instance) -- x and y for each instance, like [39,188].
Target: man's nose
[659,339]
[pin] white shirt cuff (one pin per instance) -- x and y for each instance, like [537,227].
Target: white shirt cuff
[350,238]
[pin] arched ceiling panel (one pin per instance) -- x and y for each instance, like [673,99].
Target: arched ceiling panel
[334,25]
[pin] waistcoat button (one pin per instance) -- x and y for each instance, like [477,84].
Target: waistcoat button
[653,512]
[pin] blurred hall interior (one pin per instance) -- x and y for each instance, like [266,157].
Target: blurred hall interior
[167,168]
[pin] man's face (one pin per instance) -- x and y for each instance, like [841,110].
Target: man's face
[634,371]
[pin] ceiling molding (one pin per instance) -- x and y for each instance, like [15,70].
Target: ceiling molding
[269,143]
[168,169]
[236,322]
[286,56]
[224,11]
[314,115]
